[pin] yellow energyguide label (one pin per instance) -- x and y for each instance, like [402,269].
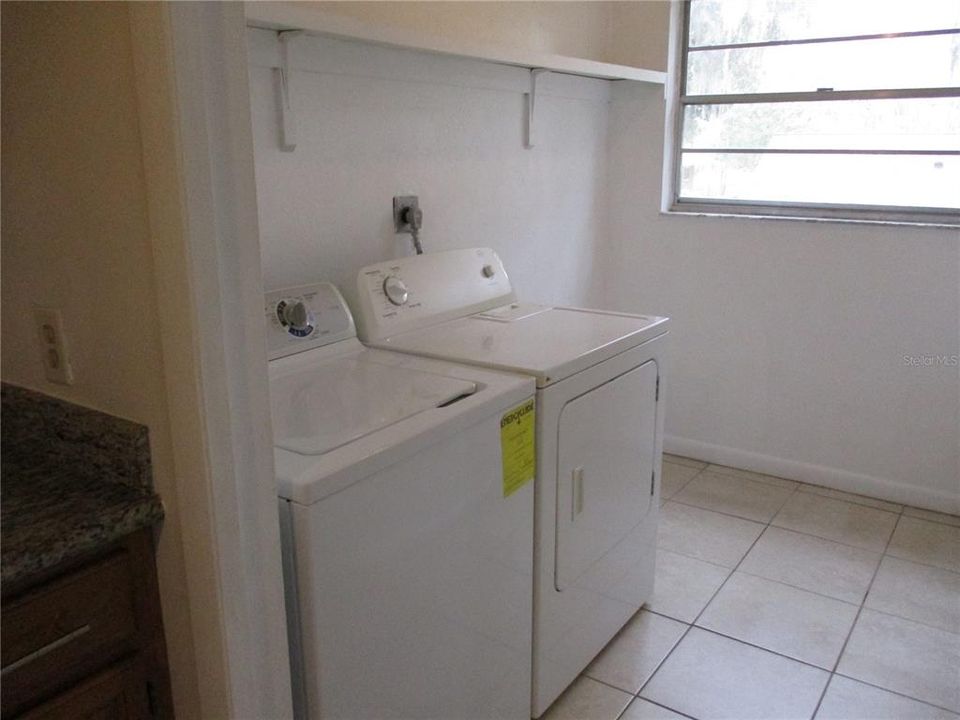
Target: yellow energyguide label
[517,433]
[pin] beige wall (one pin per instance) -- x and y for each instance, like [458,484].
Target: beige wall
[75,236]
[578,29]
[627,33]
[639,33]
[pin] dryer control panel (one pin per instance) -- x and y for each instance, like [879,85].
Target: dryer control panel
[413,292]
[305,317]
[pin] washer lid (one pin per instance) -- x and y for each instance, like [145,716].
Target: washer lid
[322,407]
[548,343]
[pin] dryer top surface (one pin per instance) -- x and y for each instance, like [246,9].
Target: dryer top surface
[547,343]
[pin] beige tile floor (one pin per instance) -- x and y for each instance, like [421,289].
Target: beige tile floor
[776,599]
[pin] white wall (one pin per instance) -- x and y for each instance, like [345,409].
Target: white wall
[375,122]
[789,337]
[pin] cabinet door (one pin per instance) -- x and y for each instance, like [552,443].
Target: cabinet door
[604,469]
[119,693]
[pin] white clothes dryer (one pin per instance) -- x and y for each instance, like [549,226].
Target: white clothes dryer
[599,418]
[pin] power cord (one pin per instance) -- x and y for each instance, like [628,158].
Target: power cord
[413,217]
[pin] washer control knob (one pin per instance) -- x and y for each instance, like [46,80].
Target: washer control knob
[395,290]
[488,271]
[295,315]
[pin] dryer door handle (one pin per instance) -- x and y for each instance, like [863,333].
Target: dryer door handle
[577,505]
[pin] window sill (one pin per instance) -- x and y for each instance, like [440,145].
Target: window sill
[790,214]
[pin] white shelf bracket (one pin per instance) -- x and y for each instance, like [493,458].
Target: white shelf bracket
[531,98]
[288,118]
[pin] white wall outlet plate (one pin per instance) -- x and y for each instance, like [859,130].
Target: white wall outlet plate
[53,345]
[401,203]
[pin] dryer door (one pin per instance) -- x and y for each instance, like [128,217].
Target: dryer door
[605,467]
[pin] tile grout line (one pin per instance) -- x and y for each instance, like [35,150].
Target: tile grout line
[797,587]
[935,522]
[636,695]
[882,553]
[856,619]
[682,457]
[784,484]
[807,663]
[901,507]
[737,569]
[900,512]
[693,477]
[719,512]
[664,615]
[692,557]
[769,523]
[915,562]
[831,499]
[634,698]
[885,552]
[892,692]
[693,623]
[764,649]
[712,631]
[860,606]
[583,674]
[788,485]
[910,620]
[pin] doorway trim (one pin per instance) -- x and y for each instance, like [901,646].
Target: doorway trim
[194,103]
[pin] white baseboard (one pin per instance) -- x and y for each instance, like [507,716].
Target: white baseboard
[858,483]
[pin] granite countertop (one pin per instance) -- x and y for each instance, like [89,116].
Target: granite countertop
[51,515]
[73,480]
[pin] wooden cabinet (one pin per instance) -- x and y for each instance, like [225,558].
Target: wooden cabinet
[87,641]
[118,693]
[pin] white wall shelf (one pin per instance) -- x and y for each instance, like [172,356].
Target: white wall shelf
[301,16]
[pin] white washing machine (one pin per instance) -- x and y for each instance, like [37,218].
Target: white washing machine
[599,420]
[406,505]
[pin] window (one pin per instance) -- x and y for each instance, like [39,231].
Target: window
[827,108]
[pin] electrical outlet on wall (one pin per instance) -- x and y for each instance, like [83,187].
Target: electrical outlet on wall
[406,213]
[53,345]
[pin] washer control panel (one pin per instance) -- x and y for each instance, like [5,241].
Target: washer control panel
[304,317]
[413,292]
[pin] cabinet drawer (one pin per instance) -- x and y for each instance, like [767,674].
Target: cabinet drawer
[118,693]
[64,630]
